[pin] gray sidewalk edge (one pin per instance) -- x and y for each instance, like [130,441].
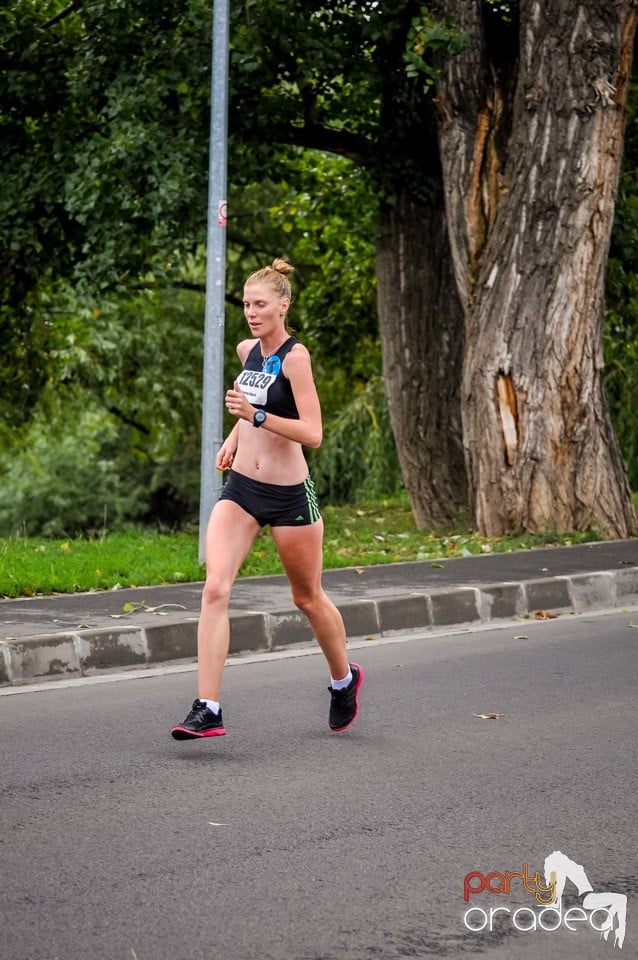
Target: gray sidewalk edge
[64,655]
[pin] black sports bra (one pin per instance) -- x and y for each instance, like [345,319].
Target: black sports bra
[264,383]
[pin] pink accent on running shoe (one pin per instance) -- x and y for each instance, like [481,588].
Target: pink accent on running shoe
[190,735]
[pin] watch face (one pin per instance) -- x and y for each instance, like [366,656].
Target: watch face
[259,417]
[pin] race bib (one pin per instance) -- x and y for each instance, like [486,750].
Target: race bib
[255,385]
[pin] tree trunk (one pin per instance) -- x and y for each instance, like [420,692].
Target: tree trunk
[421,327]
[530,180]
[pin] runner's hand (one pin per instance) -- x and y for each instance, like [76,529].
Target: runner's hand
[238,405]
[225,456]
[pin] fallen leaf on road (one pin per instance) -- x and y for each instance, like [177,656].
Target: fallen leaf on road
[521,636]
[437,566]
[358,569]
[634,625]
[488,716]
[131,607]
[545,615]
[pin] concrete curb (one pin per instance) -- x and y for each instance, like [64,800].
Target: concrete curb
[82,653]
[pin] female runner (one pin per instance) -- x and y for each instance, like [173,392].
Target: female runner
[278,413]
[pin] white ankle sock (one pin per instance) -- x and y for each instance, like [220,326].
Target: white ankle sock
[211,704]
[340,684]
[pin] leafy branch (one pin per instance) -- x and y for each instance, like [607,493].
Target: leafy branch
[62,14]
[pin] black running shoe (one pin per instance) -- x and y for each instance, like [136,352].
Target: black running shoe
[344,704]
[200,722]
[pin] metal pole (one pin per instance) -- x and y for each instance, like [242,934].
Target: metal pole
[213,385]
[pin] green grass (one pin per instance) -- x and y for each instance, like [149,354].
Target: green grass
[380,532]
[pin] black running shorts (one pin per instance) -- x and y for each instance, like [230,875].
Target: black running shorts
[273,504]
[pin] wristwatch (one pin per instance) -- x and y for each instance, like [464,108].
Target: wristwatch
[259,416]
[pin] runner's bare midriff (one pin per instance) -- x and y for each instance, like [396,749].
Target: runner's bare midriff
[269,458]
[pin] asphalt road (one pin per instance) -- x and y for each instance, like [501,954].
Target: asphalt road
[282,840]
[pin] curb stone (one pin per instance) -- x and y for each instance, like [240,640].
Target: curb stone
[63,655]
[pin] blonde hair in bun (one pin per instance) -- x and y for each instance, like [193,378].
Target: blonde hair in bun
[275,276]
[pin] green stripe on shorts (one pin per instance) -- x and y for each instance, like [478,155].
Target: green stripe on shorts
[313,503]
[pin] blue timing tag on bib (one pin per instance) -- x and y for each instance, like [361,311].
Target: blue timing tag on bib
[272,365]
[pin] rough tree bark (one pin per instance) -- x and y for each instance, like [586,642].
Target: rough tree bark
[531,147]
[421,328]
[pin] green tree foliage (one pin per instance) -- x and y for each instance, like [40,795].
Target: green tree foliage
[71,478]
[103,113]
[116,436]
[106,107]
[110,106]
[127,387]
[105,119]
[621,329]
[358,458]
[104,123]
[330,222]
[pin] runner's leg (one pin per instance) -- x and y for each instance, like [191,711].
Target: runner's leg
[230,535]
[301,552]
